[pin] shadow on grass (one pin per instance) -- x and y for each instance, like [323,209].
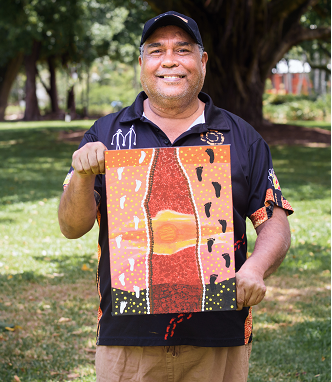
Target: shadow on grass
[68,270]
[304,172]
[306,257]
[33,164]
[305,360]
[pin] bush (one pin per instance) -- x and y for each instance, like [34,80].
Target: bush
[283,108]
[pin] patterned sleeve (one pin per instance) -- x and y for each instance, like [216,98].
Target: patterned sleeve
[265,191]
[89,136]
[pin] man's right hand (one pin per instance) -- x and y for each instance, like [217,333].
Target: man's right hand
[89,159]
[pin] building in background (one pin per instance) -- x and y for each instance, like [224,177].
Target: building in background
[290,77]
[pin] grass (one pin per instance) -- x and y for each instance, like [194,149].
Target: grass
[292,324]
[47,283]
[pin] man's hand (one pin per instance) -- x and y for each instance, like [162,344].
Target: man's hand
[89,159]
[250,288]
[271,246]
[78,210]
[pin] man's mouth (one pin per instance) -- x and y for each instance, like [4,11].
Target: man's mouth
[172,76]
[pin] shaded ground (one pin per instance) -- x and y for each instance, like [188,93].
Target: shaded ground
[279,134]
[274,134]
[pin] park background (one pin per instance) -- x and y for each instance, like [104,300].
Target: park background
[65,63]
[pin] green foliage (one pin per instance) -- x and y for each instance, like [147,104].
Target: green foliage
[283,108]
[114,85]
[73,31]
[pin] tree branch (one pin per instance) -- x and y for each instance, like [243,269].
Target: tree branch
[316,66]
[280,9]
[299,34]
[48,89]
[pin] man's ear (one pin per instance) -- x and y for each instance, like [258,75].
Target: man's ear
[204,59]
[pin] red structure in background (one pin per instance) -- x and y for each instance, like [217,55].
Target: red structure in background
[289,83]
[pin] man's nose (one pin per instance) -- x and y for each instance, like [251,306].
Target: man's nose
[169,60]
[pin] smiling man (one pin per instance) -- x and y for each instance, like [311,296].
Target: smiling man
[170,112]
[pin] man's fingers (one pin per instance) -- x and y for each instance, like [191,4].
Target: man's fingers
[90,159]
[250,290]
[239,297]
[101,159]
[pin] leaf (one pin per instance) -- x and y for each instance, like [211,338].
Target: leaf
[86,268]
[16,378]
[64,319]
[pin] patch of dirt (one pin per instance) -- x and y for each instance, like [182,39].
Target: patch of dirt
[273,134]
[278,134]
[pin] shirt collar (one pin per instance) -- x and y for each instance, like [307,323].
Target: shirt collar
[214,116]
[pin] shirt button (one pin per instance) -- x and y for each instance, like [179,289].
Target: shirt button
[166,141]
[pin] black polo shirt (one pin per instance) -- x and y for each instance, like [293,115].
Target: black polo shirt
[255,191]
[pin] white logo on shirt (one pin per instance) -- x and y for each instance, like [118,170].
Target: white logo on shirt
[119,139]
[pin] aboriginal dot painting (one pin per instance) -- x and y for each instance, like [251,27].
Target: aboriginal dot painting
[170,230]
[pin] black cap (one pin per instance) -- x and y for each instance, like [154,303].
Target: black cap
[172,18]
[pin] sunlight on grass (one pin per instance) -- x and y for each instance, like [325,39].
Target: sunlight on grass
[47,283]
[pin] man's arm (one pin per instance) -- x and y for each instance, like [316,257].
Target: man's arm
[272,244]
[77,209]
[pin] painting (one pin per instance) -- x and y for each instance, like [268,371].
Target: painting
[171,238]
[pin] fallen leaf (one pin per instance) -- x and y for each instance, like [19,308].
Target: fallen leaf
[10,277]
[64,319]
[14,328]
[78,331]
[85,268]
[16,378]
[323,359]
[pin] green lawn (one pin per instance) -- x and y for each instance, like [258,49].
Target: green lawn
[47,283]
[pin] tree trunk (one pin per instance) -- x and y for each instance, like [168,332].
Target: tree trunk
[71,106]
[8,74]
[31,103]
[246,103]
[53,93]
[244,39]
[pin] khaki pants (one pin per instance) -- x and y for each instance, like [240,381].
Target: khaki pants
[172,363]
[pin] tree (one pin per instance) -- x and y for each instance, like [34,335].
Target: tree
[70,34]
[11,56]
[245,39]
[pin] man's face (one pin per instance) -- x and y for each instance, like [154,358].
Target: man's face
[172,67]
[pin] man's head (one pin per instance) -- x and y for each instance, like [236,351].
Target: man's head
[173,61]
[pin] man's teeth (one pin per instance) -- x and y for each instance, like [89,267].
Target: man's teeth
[172,76]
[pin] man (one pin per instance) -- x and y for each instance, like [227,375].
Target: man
[173,112]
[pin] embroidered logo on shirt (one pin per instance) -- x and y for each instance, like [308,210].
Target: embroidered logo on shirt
[120,140]
[67,179]
[213,137]
[273,179]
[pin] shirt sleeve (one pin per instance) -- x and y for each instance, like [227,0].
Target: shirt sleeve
[265,191]
[89,136]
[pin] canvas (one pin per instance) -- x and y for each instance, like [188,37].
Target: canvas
[171,239]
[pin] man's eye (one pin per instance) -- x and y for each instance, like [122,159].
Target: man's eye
[155,51]
[183,50]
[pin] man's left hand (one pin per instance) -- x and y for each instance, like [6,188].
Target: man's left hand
[250,288]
